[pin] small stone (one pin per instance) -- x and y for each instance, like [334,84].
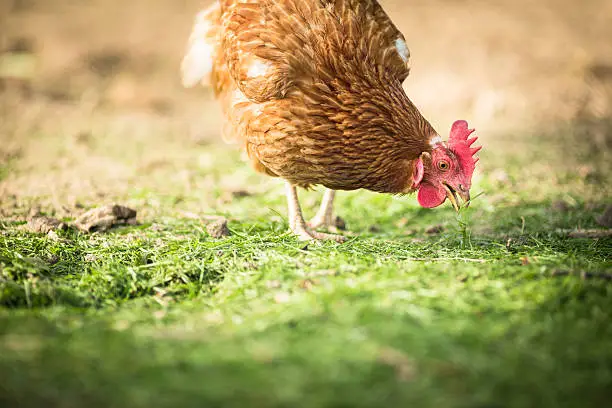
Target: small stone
[375,229]
[41,224]
[231,195]
[104,218]
[241,194]
[250,265]
[340,223]
[91,258]
[157,228]
[561,206]
[605,219]
[53,259]
[52,235]
[434,230]
[218,229]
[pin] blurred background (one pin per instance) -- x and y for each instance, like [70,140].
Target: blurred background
[105,73]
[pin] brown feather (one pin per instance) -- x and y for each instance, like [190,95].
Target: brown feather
[313,89]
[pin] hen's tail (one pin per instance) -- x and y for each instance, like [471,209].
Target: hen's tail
[203,47]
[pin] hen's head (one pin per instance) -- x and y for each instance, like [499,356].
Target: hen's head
[447,171]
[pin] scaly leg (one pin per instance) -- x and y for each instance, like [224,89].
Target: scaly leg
[296,219]
[324,217]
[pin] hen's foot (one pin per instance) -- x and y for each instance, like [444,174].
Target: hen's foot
[328,224]
[306,234]
[298,226]
[324,217]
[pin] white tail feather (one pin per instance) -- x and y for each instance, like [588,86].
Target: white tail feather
[198,62]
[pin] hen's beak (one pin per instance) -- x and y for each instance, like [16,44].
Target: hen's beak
[451,194]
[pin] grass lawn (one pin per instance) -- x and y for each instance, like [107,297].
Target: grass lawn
[496,307]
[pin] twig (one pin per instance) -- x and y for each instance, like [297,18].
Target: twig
[584,274]
[592,233]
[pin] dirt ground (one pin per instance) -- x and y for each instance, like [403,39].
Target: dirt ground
[483,60]
[104,73]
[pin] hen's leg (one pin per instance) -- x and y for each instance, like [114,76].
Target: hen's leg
[296,219]
[324,217]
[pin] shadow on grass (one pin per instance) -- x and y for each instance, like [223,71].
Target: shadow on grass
[551,353]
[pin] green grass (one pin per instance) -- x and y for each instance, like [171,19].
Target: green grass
[500,309]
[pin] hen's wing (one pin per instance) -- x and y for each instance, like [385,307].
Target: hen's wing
[256,51]
[269,45]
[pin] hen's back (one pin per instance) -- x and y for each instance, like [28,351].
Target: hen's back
[265,47]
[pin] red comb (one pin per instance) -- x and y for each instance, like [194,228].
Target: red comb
[460,143]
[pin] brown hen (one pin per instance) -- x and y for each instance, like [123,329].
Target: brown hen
[313,90]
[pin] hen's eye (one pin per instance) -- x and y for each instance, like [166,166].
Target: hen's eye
[443,165]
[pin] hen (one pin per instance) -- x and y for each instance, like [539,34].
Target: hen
[313,91]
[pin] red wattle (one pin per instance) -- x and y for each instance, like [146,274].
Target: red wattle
[430,197]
